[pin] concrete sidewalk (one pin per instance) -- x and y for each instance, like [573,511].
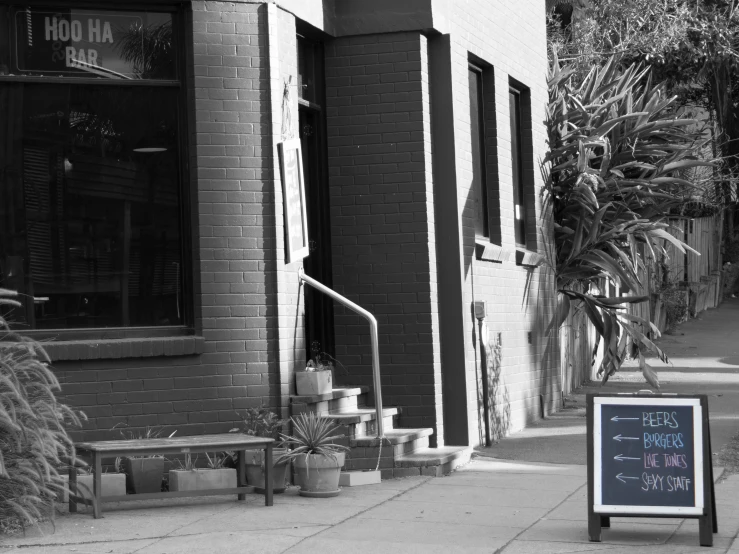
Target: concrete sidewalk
[487,506]
[514,505]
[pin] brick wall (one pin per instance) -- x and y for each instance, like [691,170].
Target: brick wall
[519,300]
[238,240]
[249,302]
[382,227]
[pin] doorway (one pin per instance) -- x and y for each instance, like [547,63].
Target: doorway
[319,309]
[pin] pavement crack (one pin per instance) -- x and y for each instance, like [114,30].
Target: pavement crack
[502,548]
[367,509]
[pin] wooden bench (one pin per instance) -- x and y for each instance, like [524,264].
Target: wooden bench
[238,442]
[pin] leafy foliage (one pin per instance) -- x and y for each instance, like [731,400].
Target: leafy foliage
[313,434]
[691,45]
[33,438]
[676,304]
[260,422]
[616,150]
[218,460]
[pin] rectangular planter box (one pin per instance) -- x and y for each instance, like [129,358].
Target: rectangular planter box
[313,383]
[201,479]
[144,475]
[114,484]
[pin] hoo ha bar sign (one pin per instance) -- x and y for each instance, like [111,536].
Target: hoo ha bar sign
[85,43]
[649,456]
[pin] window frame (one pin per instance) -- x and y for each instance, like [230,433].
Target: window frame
[182,25]
[489,188]
[481,187]
[522,176]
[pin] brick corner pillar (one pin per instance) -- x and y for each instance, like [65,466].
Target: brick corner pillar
[382,216]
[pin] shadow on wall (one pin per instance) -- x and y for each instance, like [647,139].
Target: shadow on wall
[495,395]
[544,333]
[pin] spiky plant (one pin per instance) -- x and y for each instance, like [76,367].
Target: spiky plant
[149,49]
[612,173]
[34,442]
[312,434]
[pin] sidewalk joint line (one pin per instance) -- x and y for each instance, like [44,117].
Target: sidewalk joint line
[401,493]
[502,548]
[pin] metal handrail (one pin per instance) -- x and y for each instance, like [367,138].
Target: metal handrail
[373,337]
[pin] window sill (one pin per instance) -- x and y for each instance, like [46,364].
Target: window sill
[528,258]
[490,252]
[112,349]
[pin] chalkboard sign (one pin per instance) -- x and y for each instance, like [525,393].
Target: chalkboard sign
[649,456]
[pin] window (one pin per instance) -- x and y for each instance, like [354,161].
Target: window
[477,148]
[521,166]
[483,152]
[91,226]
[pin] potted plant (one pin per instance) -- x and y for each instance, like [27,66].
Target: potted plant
[262,422]
[317,460]
[191,478]
[144,473]
[318,376]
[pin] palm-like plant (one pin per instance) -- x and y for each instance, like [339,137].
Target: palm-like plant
[33,438]
[313,434]
[612,172]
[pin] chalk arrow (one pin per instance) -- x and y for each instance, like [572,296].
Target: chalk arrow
[616,418]
[621,458]
[621,477]
[619,438]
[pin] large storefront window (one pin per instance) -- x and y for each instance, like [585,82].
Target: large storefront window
[90,194]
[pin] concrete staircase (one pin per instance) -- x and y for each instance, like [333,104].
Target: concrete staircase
[402,452]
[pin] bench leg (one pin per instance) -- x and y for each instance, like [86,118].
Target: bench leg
[72,488]
[241,473]
[268,475]
[97,485]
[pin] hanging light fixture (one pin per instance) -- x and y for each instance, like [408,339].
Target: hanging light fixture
[157,141]
[148,145]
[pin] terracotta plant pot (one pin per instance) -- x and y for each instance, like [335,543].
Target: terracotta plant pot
[201,479]
[144,475]
[255,470]
[318,475]
[313,383]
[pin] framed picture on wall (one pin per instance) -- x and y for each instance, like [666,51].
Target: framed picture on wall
[293,195]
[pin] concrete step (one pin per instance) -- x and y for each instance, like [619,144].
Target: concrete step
[371,453]
[361,422]
[359,415]
[341,398]
[400,441]
[434,462]
[394,436]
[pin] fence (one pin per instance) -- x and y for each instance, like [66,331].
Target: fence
[667,278]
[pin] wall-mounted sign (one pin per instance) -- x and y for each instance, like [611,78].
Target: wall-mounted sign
[94,43]
[293,194]
[649,456]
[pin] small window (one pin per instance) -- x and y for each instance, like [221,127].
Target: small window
[522,167]
[477,149]
[483,151]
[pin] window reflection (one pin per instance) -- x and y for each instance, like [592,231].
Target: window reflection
[90,229]
[93,43]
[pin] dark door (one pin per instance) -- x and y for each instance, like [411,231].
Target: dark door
[319,312]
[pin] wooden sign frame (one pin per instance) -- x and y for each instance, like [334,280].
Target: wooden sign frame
[293,200]
[599,514]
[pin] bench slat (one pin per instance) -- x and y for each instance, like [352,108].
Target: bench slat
[224,441]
